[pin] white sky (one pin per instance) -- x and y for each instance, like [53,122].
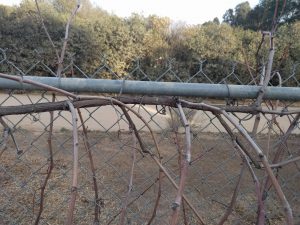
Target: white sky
[189,11]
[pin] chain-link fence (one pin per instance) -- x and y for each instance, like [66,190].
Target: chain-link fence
[138,153]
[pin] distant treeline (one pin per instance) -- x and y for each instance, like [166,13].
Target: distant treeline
[96,33]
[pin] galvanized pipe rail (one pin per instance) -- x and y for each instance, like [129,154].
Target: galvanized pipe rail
[220,91]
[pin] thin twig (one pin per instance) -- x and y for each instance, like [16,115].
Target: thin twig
[121,104]
[130,184]
[233,198]
[45,29]
[160,176]
[64,47]
[284,138]
[176,186]
[132,201]
[286,162]
[9,131]
[60,58]
[248,66]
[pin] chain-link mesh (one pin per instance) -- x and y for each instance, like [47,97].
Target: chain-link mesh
[108,149]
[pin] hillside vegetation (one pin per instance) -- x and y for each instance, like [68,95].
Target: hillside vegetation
[96,33]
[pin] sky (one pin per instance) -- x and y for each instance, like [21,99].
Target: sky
[188,11]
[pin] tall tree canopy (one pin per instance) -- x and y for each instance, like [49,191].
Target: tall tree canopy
[261,16]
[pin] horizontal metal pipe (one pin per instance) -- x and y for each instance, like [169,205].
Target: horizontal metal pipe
[219,91]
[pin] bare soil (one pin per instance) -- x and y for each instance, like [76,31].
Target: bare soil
[212,177]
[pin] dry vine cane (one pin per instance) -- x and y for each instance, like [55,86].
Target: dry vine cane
[259,99]
[89,98]
[70,213]
[204,107]
[184,167]
[278,153]
[178,145]
[267,75]
[137,136]
[269,172]
[49,169]
[98,200]
[130,183]
[233,198]
[91,101]
[60,58]
[246,161]
[287,209]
